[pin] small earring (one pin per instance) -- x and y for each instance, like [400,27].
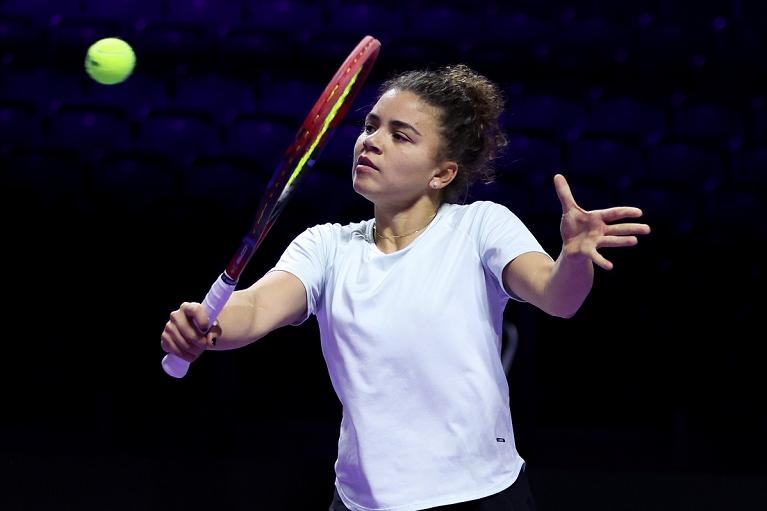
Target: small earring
[434,185]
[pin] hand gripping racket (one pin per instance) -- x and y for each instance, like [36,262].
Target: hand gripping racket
[323,118]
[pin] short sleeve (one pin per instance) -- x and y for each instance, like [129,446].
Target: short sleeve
[502,237]
[307,257]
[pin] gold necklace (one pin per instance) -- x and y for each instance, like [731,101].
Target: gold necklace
[396,236]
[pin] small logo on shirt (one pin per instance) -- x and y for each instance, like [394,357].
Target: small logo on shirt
[499,439]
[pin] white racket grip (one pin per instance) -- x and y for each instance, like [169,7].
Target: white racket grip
[214,302]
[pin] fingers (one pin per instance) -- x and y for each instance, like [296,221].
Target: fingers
[196,312]
[563,192]
[627,229]
[172,342]
[617,241]
[618,213]
[181,336]
[600,261]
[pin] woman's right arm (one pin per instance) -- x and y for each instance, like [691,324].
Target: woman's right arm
[275,300]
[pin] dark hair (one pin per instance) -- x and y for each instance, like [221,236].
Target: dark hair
[470,106]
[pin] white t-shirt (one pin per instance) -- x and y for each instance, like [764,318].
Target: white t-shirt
[412,341]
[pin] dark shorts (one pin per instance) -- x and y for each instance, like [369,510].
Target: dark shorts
[516,497]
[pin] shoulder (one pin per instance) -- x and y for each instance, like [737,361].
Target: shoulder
[477,212]
[338,233]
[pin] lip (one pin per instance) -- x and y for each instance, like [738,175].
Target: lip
[364,161]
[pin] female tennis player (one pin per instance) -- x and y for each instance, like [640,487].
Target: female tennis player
[410,303]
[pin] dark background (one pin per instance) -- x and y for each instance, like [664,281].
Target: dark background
[119,203]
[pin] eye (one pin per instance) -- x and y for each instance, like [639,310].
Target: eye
[399,137]
[368,128]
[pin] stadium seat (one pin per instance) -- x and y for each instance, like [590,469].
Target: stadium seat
[20,126]
[606,160]
[289,97]
[34,85]
[258,138]
[750,167]
[436,22]
[222,97]
[43,179]
[626,117]
[337,156]
[227,187]
[758,121]
[367,19]
[43,8]
[706,123]
[670,209]
[696,165]
[89,130]
[136,96]
[178,134]
[545,115]
[70,37]
[130,12]
[167,47]
[529,156]
[251,51]
[19,37]
[132,181]
[221,12]
[294,18]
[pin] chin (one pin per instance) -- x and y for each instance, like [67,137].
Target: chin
[362,190]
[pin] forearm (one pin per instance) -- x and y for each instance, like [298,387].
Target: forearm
[568,285]
[237,322]
[276,300]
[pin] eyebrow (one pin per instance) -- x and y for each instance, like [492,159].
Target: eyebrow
[396,123]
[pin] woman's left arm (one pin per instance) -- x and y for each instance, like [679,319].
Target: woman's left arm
[560,287]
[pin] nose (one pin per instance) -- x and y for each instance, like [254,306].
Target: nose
[369,142]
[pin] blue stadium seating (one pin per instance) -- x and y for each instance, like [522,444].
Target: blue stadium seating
[89,130]
[225,186]
[365,18]
[528,155]
[288,97]
[626,117]
[134,182]
[757,119]
[222,12]
[169,47]
[545,114]
[700,166]
[175,133]
[42,178]
[34,85]
[43,8]
[220,96]
[750,167]
[293,18]
[19,37]
[706,123]
[437,22]
[20,125]
[258,138]
[337,155]
[129,12]
[606,159]
[135,96]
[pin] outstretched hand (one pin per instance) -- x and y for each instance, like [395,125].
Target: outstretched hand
[585,232]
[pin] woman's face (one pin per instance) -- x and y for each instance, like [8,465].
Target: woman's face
[395,155]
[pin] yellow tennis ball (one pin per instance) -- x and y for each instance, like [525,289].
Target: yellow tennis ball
[110,61]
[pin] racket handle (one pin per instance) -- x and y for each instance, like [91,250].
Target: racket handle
[214,302]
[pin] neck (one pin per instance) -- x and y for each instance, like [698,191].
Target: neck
[397,227]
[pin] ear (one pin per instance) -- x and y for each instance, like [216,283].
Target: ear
[443,175]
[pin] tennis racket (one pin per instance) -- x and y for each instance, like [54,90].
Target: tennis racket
[326,114]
